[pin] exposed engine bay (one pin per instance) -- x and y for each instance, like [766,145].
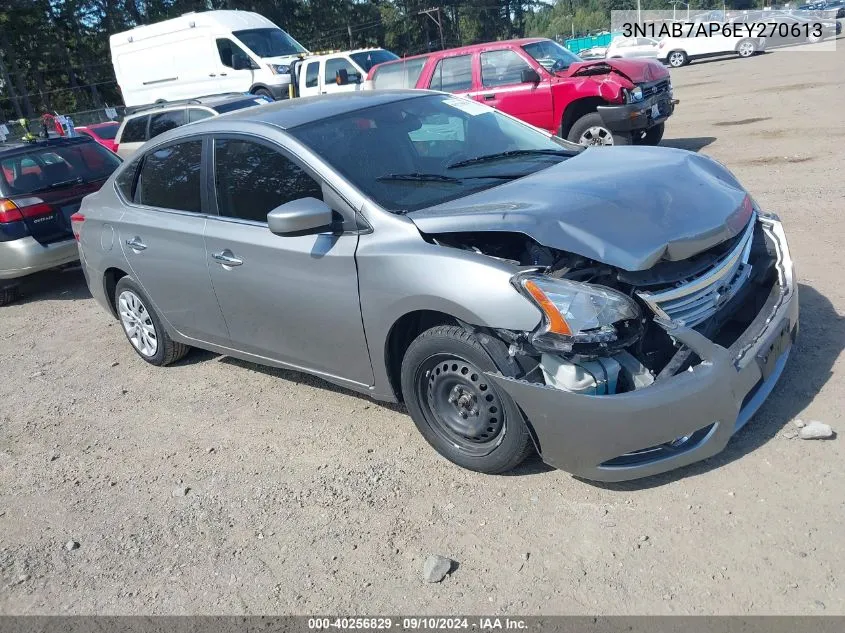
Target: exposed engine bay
[717,292]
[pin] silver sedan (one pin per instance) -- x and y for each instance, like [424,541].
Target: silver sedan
[620,312]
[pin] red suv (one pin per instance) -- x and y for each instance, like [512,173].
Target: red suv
[603,102]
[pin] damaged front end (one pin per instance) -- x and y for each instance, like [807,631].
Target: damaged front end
[630,374]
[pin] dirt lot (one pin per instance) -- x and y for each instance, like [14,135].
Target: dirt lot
[305,498]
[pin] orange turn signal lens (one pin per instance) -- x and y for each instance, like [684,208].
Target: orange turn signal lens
[557,324]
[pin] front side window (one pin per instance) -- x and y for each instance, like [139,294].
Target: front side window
[452,74]
[170,177]
[337,64]
[135,130]
[165,121]
[551,55]
[502,68]
[420,151]
[312,74]
[228,50]
[404,74]
[269,42]
[252,179]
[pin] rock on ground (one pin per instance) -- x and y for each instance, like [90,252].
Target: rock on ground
[436,568]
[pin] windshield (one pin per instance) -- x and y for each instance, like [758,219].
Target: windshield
[48,167]
[269,42]
[551,55]
[368,59]
[423,151]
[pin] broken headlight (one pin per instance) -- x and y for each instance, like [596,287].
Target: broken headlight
[580,318]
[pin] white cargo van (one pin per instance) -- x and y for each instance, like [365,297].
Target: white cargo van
[204,53]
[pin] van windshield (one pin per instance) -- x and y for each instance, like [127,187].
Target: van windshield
[269,42]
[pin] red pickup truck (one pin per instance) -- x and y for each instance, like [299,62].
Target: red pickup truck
[603,102]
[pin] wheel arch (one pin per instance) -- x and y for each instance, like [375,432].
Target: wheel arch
[576,110]
[111,276]
[254,88]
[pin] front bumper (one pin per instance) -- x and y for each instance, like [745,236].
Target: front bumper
[638,116]
[26,255]
[630,435]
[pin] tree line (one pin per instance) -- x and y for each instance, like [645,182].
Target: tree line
[54,54]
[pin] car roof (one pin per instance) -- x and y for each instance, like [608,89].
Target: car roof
[209,101]
[291,113]
[468,49]
[22,147]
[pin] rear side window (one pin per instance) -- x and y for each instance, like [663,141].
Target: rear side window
[252,180]
[165,121]
[502,68]
[135,130]
[403,74]
[452,74]
[125,181]
[198,114]
[170,177]
[56,167]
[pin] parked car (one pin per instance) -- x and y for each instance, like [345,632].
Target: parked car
[629,47]
[103,133]
[203,53]
[141,124]
[607,102]
[623,312]
[41,186]
[342,71]
[679,51]
[785,30]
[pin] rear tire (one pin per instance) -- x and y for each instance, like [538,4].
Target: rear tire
[652,136]
[590,130]
[142,325]
[8,295]
[464,416]
[746,48]
[676,59]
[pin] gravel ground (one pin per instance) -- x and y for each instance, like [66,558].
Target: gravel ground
[217,486]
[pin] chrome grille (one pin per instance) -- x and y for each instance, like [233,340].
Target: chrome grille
[656,88]
[697,299]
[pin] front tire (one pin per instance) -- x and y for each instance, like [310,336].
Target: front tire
[459,412]
[142,325]
[677,59]
[591,130]
[263,92]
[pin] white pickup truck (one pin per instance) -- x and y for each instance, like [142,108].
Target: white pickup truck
[340,71]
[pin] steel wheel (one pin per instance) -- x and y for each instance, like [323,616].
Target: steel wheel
[137,323]
[596,135]
[459,405]
[677,59]
[745,49]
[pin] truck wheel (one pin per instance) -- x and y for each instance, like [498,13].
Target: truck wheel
[591,130]
[746,48]
[652,136]
[677,59]
[263,92]
[8,295]
[459,412]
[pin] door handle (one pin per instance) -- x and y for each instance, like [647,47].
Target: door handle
[212,74]
[223,74]
[136,244]
[227,258]
[489,97]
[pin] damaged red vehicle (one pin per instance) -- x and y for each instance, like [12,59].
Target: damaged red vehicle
[603,102]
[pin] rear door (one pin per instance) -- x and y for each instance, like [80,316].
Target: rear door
[47,184]
[502,87]
[161,234]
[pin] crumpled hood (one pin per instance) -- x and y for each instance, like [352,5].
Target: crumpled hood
[636,70]
[629,207]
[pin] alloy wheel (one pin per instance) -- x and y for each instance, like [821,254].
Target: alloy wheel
[746,49]
[676,60]
[137,323]
[596,135]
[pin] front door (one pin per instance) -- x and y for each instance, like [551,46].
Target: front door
[232,76]
[289,299]
[502,88]
[332,67]
[162,239]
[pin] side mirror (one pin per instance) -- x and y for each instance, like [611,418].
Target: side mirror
[341,77]
[529,76]
[300,217]
[240,61]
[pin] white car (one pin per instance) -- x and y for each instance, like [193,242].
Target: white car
[679,51]
[632,47]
